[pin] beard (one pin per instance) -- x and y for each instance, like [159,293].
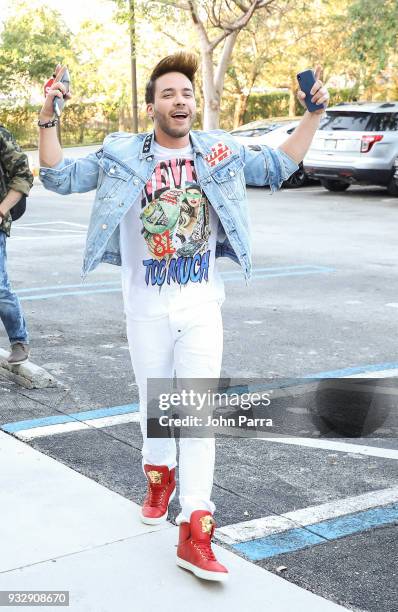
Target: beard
[175,131]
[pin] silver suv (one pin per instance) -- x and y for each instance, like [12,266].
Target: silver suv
[357,143]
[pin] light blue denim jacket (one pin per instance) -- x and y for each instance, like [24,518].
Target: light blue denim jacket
[125,163]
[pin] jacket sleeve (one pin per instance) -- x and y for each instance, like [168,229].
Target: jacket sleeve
[15,164]
[72,175]
[267,166]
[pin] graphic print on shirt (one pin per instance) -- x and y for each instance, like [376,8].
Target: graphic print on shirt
[175,225]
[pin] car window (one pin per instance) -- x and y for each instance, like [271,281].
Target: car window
[353,121]
[383,122]
[360,121]
[259,131]
[252,132]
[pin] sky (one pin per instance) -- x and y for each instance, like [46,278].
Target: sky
[73,11]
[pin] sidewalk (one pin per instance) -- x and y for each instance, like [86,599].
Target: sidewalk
[62,531]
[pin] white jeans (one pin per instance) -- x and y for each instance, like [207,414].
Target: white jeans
[189,342]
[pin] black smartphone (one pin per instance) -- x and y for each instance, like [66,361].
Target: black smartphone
[59,103]
[306,79]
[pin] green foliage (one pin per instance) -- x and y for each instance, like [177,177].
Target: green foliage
[374,30]
[81,123]
[276,104]
[90,123]
[33,41]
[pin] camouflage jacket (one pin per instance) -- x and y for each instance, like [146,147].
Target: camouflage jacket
[16,169]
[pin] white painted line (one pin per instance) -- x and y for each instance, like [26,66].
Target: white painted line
[392,305]
[51,430]
[55,237]
[342,447]
[268,525]
[52,229]
[39,223]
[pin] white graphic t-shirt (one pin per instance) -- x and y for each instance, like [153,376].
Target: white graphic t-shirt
[168,241]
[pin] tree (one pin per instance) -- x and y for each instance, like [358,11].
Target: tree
[271,54]
[372,43]
[33,41]
[218,24]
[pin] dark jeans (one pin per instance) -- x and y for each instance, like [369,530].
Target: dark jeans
[10,309]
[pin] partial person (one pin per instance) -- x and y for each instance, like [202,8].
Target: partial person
[16,181]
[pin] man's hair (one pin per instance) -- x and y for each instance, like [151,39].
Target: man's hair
[184,62]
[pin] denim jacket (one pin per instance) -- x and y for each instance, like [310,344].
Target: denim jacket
[121,168]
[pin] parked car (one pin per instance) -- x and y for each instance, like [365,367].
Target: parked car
[357,143]
[271,132]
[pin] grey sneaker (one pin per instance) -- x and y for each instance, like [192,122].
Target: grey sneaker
[19,353]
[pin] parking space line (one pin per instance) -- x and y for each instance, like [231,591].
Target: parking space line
[51,287]
[59,419]
[51,229]
[335,445]
[273,524]
[98,423]
[317,533]
[40,223]
[54,237]
[228,276]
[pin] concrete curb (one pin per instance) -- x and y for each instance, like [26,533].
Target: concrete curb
[27,374]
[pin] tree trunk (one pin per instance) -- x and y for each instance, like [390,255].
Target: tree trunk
[213,82]
[121,118]
[211,105]
[292,97]
[240,109]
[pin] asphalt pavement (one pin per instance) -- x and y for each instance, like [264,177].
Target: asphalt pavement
[319,516]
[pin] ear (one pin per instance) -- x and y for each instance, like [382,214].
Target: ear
[149,110]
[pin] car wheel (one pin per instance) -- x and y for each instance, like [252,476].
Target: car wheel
[392,187]
[298,179]
[335,185]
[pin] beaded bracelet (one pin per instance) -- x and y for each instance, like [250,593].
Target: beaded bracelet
[48,124]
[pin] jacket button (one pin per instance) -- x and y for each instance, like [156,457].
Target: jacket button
[121,204]
[136,181]
[231,173]
[150,158]
[104,226]
[112,170]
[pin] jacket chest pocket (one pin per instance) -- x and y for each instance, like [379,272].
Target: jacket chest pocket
[112,179]
[230,179]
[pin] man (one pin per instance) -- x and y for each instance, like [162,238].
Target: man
[15,180]
[172,290]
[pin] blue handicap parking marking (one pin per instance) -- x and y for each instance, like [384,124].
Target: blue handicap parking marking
[317,533]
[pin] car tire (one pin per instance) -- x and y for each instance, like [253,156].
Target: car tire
[392,187]
[297,179]
[335,185]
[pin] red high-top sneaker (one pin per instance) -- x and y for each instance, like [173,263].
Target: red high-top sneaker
[161,490]
[194,551]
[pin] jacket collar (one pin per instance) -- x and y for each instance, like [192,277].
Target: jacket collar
[147,145]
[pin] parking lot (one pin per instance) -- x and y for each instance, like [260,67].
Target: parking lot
[323,301]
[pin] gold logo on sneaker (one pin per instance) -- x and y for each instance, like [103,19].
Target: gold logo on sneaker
[155,477]
[207,523]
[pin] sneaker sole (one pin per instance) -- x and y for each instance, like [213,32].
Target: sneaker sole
[201,573]
[161,519]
